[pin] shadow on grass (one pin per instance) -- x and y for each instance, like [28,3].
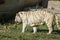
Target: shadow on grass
[46,30]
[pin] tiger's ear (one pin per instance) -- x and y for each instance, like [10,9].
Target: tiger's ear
[21,13]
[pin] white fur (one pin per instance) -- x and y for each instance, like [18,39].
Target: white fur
[34,29]
[33,18]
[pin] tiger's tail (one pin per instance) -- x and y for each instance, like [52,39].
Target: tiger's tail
[57,22]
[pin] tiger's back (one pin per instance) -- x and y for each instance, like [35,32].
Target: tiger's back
[37,17]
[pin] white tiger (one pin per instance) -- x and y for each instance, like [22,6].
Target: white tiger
[34,18]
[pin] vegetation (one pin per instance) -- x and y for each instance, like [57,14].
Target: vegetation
[14,33]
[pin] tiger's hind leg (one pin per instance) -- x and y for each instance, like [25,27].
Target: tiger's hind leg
[49,24]
[50,28]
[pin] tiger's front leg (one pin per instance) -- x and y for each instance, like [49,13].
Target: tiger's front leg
[34,29]
[24,26]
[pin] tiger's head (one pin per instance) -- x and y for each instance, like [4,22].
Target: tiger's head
[18,18]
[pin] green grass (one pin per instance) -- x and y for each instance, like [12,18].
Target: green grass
[15,33]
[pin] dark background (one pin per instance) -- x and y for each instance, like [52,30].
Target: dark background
[9,8]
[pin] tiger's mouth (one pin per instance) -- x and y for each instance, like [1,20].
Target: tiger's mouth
[18,22]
